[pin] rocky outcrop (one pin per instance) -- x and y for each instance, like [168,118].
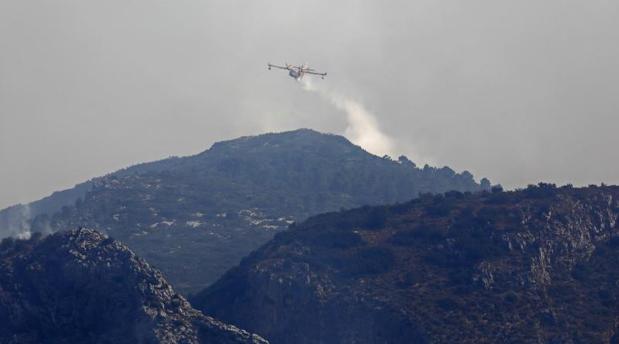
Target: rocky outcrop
[531,266]
[82,287]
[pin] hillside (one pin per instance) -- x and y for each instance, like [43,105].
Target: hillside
[195,217]
[83,287]
[14,220]
[532,266]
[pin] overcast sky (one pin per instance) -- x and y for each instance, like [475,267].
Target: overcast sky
[516,91]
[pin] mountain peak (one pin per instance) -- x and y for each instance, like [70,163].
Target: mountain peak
[288,140]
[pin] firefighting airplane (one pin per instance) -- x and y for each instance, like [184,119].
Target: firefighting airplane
[297,72]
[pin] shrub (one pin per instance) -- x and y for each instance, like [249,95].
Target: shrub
[454,194]
[478,246]
[337,239]
[510,298]
[581,272]
[613,242]
[447,304]
[422,235]
[496,189]
[376,218]
[439,209]
[542,190]
[368,261]
[498,198]
[460,276]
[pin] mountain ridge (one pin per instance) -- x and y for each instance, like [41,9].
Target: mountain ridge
[194,217]
[16,215]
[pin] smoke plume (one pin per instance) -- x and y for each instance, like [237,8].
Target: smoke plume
[15,222]
[362,128]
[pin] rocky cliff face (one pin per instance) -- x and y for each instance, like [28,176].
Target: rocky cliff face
[536,266]
[83,287]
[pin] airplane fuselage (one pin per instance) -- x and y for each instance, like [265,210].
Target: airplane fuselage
[295,74]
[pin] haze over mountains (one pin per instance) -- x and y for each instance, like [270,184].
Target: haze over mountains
[298,236]
[195,217]
[340,246]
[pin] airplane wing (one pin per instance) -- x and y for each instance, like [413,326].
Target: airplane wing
[315,73]
[276,66]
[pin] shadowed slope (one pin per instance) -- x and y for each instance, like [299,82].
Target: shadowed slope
[537,265]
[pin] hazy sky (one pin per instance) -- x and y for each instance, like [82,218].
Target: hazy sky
[517,91]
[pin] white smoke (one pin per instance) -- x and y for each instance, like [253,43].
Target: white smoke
[24,235]
[362,128]
[15,222]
